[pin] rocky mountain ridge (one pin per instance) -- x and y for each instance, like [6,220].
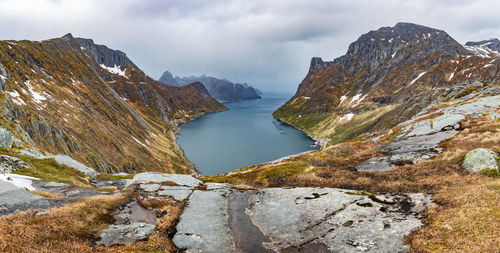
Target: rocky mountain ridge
[386,76]
[71,96]
[220,89]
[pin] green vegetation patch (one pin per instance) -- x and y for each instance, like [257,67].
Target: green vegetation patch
[490,172]
[49,170]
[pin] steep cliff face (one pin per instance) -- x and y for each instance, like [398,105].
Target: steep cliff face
[71,96]
[385,77]
[220,89]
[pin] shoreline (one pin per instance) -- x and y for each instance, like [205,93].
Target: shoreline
[176,132]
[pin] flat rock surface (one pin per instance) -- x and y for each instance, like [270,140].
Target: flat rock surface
[332,219]
[407,150]
[177,192]
[133,223]
[126,234]
[297,220]
[179,179]
[203,224]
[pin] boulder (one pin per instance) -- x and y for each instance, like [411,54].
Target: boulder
[481,159]
[72,163]
[6,138]
[126,234]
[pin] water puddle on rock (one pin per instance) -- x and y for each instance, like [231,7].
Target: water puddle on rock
[247,237]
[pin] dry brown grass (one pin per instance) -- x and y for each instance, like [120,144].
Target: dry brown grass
[71,228]
[75,226]
[47,194]
[466,219]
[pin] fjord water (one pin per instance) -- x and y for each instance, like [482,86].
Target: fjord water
[244,135]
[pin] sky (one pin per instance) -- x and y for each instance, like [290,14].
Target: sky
[266,43]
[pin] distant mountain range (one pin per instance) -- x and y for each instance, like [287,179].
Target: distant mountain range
[220,89]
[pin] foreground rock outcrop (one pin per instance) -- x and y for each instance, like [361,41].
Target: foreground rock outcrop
[481,160]
[217,218]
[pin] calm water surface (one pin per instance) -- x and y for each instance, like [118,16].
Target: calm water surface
[246,134]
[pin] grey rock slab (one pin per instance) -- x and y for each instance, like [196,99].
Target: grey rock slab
[149,187]
[132,212]
[6,138]
[125,234]
[55,185]
[120,184]
[11,194]
[480,159]
[177,192]
[215,186]
[429,126]
[375,164]
[33,153]
[72,163]
[132,223]
[332,218]
[179,179]
[203,224]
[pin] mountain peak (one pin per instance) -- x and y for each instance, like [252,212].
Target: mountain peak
[168,79]
[399,42]
[317,63]
[67,36]
[493,44]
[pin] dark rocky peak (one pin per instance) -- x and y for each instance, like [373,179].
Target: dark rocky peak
[168,79]
[317,63]
[67,36]
[493,44]
[375,47]
[104,55]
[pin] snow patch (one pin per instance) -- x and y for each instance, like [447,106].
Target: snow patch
[136,140]
[306,98]
[359,101]
[452,74]
[419,75]
[481,50]
[36,96]
[342,99]
[20,181]
[13,94]
[347,116]
[114,70]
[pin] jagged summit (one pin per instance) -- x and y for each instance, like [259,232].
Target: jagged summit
[489,48]
[67,36]
[402,42]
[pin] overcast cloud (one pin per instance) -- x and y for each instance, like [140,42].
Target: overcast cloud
[266,43]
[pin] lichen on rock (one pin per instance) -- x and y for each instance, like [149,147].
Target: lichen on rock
[481,160]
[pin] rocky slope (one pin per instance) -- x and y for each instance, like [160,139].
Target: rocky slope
[220,89]
[71,96]
[386,77]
